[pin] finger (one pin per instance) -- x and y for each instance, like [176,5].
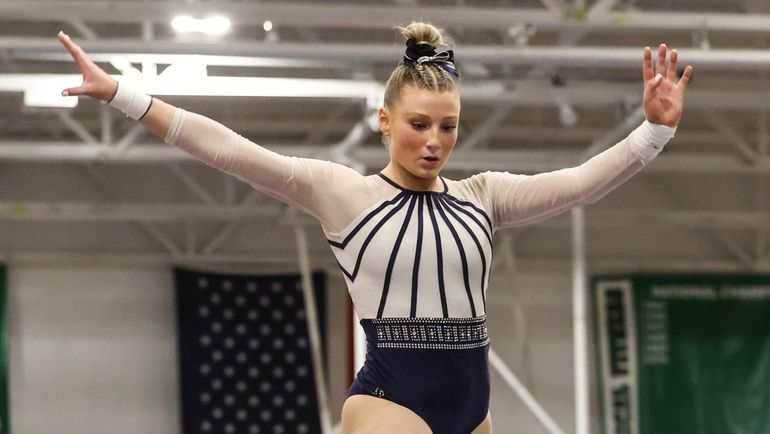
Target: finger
[647,72]
[65,40]
[78,55]
[655,82]
[660,67]
[685,79]
[671,69]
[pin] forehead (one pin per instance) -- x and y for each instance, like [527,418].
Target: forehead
[428,102]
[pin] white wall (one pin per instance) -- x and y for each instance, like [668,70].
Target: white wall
[535,341]
[94,350]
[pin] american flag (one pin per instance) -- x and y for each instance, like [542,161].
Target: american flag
[246,366]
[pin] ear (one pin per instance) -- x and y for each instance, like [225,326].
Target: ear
[383,118]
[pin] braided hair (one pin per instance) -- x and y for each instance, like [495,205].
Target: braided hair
[422,66]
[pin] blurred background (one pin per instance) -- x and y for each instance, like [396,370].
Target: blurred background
[95,213]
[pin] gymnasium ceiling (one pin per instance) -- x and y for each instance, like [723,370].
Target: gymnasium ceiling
[546,84]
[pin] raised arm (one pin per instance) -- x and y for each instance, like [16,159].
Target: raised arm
[99,85]
[314,186]
[518,199]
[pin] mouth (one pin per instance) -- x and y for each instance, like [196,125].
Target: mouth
[430,161]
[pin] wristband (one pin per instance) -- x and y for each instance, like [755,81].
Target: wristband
[134,103]
[650,139]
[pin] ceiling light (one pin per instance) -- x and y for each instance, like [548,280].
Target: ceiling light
[183,24]
[215,25]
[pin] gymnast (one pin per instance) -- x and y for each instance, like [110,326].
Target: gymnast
[415,248]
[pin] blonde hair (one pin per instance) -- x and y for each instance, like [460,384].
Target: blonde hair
[430,76]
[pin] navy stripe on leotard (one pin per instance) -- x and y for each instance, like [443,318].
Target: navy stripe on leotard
[399,200]
[392,260]
[427,259]
[417,254]
[480,249]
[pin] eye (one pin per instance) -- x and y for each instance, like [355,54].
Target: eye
[418,125]
[449,128]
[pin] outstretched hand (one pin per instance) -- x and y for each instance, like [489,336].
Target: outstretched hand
[663,95]
[96,83]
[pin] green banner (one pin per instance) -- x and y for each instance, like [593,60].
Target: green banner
[5,421]
[683,353]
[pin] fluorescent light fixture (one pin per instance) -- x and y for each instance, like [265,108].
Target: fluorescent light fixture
[41,89]
[214,25]
[188,71]
[46,95]
[183,24]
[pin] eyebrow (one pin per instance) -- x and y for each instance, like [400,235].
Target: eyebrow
[426,116]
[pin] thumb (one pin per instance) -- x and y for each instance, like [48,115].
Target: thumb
[73,91]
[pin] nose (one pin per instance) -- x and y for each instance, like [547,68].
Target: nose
[433,141]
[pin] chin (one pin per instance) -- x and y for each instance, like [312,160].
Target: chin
[426,175]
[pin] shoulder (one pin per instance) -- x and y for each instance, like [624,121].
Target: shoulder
[354,198]
[486,188]
[474,188]
[480,184]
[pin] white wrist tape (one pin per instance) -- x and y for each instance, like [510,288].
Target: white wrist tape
[130,101]
[649,139]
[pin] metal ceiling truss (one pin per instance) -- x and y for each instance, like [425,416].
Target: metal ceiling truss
[556,16]
[514,69]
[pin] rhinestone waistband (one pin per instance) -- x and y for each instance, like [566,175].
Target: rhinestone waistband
[427,333]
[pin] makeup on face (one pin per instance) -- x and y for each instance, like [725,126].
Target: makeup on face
[422,128]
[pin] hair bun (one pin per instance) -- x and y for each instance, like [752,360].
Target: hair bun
[423,33]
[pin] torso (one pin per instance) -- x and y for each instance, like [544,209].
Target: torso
[416,254]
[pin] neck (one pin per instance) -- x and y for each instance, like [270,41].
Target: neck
[410,182]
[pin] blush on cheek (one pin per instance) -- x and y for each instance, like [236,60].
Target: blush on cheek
[408,141]
[413,137]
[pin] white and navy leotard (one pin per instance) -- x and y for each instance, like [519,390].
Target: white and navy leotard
[417,263]
[427,253]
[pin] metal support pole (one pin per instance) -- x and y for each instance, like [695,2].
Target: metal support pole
[313,329]
[510,378]
[580,327]
[518,312]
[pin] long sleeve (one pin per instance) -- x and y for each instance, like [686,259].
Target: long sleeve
[516,200]
[314,186]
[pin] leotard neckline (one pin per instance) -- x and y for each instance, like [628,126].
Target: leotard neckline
[394,184]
